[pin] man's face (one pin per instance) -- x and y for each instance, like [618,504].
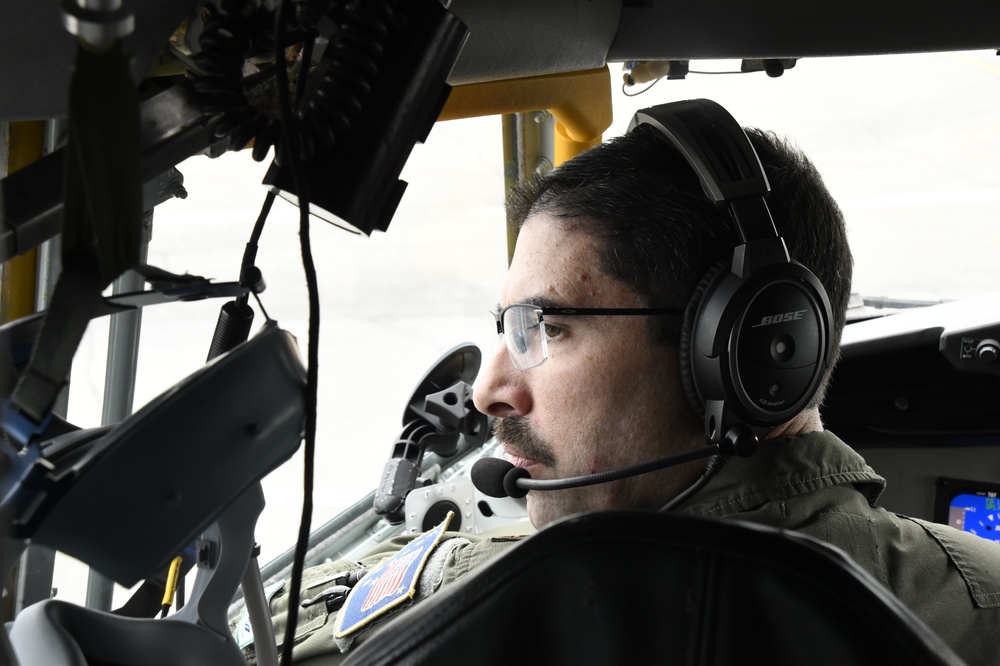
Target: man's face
[606,398]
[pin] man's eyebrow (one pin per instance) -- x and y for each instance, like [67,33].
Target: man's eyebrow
[543,302]
[537,301]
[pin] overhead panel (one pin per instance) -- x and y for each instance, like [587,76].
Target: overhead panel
[723,29]
[516,38]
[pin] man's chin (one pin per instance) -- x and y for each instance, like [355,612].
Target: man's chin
[536,509]
[546,507]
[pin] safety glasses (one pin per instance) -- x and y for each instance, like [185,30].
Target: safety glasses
[524,329]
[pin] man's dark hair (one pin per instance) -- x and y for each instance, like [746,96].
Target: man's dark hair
[660,234]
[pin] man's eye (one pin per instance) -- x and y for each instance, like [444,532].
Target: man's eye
[551,330]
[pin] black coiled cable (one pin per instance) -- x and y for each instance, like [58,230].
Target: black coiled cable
[225,44]
[350,67]
[352,63]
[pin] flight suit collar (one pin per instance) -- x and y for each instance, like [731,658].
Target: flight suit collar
[784,468]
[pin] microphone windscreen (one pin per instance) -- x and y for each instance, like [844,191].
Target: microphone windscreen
[510,482]
[488,476]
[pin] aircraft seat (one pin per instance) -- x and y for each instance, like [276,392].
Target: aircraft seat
[630,587]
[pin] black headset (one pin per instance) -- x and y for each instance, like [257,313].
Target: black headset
[757,336]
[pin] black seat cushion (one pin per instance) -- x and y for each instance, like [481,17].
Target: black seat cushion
[644,587]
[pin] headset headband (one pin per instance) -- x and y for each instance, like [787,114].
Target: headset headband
[756,340]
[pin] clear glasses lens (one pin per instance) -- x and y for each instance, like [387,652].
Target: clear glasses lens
[522,328]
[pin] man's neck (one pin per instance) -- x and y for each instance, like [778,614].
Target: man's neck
[805,421]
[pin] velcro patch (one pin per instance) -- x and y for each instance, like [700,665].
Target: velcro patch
[390,583]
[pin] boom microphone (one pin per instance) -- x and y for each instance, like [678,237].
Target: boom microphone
[489,475]
[497,477]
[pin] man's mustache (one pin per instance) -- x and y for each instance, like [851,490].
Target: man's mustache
[515,431]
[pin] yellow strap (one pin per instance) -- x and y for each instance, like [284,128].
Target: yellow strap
[171,587]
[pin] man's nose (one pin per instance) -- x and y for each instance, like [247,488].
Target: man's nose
[500,389]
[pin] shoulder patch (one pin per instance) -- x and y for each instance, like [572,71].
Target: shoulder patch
[390,583]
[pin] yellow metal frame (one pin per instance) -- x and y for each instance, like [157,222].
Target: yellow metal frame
[17,282]
[580,102]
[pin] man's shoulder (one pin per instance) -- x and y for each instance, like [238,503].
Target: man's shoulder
[482,548]
[975,558]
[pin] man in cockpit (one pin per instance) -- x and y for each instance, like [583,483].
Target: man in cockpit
[626,226]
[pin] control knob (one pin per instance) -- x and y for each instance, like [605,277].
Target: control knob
[987,351]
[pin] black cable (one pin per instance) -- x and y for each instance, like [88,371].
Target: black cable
[714,466]
[255,281]
[181,595]
[289,151]
[305,62]
[263,311]
[250,276]
[249,256]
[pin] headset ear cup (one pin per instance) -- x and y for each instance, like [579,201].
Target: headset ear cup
[687,335]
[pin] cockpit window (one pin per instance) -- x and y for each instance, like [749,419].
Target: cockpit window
[907,144]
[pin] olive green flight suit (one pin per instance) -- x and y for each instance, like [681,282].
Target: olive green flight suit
[813,483]
[817,485]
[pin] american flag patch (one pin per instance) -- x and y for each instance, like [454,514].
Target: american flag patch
[388,581]
[391,583]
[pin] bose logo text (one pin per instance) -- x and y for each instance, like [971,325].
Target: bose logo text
[779,318]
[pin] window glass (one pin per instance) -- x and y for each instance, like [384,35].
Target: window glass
[905,143]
